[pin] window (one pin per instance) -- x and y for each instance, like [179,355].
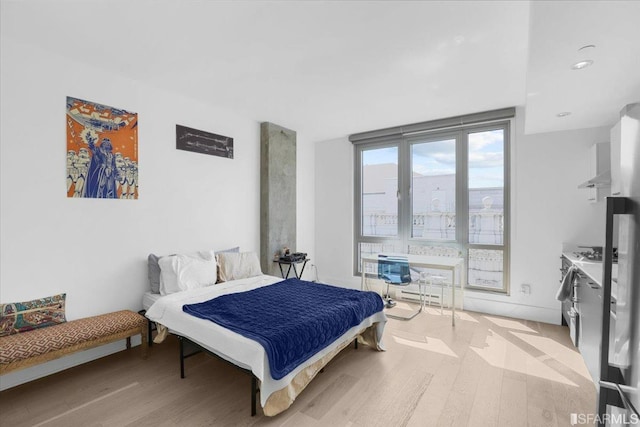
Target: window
[379,199]
[433,189]
[439,190]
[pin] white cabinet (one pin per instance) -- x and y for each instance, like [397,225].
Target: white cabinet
[625,140]
[616,138]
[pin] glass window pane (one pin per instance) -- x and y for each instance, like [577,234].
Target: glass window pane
[433,184]
[438,251]
[441,251]
[380,192]
[486,187]
[486,268]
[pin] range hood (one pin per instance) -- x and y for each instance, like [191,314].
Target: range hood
[601,180]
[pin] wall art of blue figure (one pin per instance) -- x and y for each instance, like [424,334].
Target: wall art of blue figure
[102,151]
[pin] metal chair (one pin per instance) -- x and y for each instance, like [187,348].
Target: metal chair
[395,271]
[440,279]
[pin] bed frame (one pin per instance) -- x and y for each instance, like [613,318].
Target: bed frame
[199,349]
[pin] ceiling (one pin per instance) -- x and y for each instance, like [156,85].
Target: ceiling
[329,69]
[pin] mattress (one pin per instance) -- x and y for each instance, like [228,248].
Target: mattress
[237,349]
[148,299]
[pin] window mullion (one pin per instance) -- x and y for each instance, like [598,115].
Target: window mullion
[404,185]
[462,194]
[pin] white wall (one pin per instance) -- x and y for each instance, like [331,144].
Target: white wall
[334,212]
[95,250]
[305,202]
[547,210]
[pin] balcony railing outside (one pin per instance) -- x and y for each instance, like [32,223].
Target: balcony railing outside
[484,227]
[485,266]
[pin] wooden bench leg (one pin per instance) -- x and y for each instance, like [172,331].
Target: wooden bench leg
[128,343]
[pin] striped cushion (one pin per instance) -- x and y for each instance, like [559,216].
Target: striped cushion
[44,340]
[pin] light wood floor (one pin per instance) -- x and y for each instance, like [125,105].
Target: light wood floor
[487,371]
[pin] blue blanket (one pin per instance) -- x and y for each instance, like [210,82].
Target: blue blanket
[292,319]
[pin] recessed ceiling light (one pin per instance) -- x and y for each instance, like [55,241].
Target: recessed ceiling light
[582,64]
[563,114]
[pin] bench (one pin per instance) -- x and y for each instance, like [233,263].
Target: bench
[25,349]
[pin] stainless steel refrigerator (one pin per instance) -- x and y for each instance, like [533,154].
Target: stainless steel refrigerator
[619,385]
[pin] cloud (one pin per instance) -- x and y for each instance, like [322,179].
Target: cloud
[433,171]
[380,156]
[480,140]
[486,159]
[427,149]
[446,158]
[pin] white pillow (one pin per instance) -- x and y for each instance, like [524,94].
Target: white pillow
[238,265]
[183,272]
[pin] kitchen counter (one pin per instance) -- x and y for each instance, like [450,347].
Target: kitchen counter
[593,269]
[583,312]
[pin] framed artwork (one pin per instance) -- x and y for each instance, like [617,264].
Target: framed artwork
[102,151]
[203,142]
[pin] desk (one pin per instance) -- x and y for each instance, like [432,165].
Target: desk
[291,264]
[424,261]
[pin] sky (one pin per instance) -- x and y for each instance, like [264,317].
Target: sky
[486,158]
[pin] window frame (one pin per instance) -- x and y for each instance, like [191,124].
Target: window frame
[358,226]
[404,238]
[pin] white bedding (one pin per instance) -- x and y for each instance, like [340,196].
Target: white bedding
[241,351]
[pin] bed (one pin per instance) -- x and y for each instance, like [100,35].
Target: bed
[276,395]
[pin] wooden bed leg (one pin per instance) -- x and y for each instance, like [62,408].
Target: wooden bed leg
[181,357]
[356,343]
[254,392]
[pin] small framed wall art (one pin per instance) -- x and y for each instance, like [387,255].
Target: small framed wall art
[198,141]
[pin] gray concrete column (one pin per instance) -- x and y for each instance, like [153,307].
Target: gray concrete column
[277,193]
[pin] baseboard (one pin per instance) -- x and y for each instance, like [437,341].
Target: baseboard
[13,379]
[474,301]
[513,310]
